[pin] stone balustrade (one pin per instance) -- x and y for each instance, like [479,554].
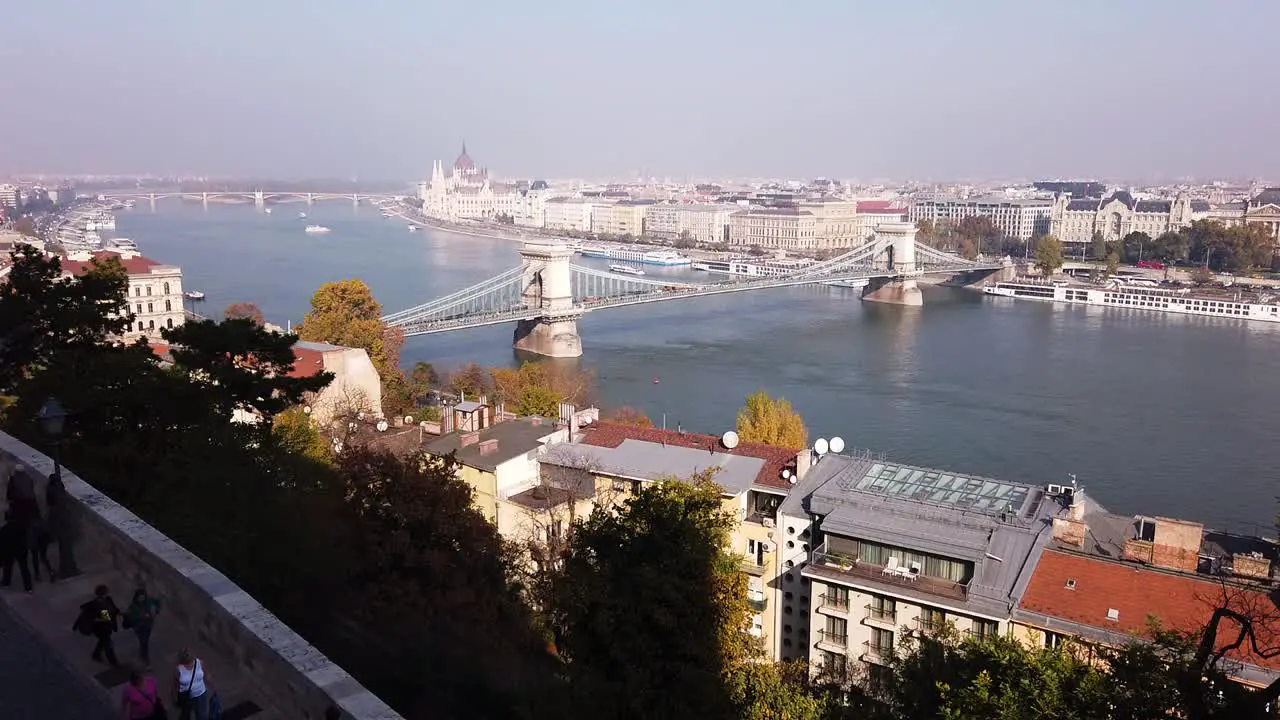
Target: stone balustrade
[281,669]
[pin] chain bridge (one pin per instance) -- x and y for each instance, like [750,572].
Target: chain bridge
[547,293]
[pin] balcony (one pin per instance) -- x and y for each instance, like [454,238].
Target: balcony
[751,567]
[832,639]
[881,616]
[834,603]
[930,626]
[877,654]
[840,566]
[757,601]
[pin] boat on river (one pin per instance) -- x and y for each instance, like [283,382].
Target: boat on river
[1180,301]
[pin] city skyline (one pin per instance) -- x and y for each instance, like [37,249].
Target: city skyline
[866,91]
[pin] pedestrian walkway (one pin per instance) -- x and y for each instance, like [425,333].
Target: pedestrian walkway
[36,684]
[53,607]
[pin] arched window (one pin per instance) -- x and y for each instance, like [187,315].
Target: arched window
[151,324]
[150,307]
[168,305]
[168,322]
[148,289]
[166,288]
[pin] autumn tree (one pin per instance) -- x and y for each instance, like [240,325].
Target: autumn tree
[771,422]
[1098,246]
[295,431]
[538,388]
[470,380]
[243,366]
[650,609]
[1048,255]
[246,311]
[423,378]
[1202,276]
[627,415]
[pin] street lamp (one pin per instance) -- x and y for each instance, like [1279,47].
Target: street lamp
[53,420]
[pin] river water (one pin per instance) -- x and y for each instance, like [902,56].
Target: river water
[1155,414]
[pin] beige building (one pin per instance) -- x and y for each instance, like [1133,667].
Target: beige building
[784,228]
[1075,221]
[155,291]
[356,387]
[625,217]
[1018,219]
[1263,209]
[705,224]
[467,193]
[568,213]
[835,223]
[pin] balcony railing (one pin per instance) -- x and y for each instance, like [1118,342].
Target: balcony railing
[877,653]
[849,566]
[927,625]
[834,602]
[832,638]
[889,615]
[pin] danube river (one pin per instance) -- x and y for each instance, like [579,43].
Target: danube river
[1154,414]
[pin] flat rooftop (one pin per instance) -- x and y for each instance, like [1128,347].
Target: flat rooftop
[940,486]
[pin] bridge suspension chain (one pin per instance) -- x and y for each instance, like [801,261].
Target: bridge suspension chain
[493,284]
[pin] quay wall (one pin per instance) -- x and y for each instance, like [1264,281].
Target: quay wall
[286,670]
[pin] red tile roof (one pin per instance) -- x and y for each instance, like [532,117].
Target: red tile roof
[1180,601]
[880,206]
[611,435]
[135,265]
[306,363]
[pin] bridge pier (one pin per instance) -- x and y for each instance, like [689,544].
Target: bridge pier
[548,285]
[893,291]
[975,279]
[355,201]
[310,199]
[204,200]
[152,199]
[258,200]
[899,241]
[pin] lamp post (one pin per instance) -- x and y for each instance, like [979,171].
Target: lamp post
[53,421]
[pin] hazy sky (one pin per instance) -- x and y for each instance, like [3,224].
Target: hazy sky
[936,89]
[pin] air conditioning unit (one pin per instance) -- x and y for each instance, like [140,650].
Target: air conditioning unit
[768,522]
[1055,490]
[768,546]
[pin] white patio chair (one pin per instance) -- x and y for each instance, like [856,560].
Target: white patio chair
[892,567]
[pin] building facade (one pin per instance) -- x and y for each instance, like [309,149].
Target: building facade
[1017,219]
[872,213]
[568,213]
[784,228]
[625,217]
[704,224]
[154,291]
[466,193]
[1262,209]
[1074,221]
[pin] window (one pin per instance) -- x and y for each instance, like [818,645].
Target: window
[755,552]
[168,322]
[836,597]
[137,291]
[1053,640]
[168,306]
[166,288]
[881,642]
[934,566]
[148,289]
[833,663]
[139,308]
[931,619]
[150,308]
[554,530]
[985,628]
[151,324]
[883,608]
[836,631]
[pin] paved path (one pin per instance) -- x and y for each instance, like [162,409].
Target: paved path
[36,684]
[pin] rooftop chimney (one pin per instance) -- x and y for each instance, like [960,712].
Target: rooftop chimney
[1174,544]
[488,447]
[468,439]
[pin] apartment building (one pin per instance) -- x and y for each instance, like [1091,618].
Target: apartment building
[835,223]
[1017,219]
[568,213]
[872,550]
[706,224]
[530,206]
[10,197]
[154,291]
[1074,221]
[1104,575]
[872,213]
[610,461]
[624,217]
[785,228]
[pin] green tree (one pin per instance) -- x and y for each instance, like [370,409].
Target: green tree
[761,691]
[538,399]
[1171,246]
[772,422]
[649,608]
[1098,246]
[1113,263]
[245,310]
[1135,246]
[423,378]
[242,365]
[1202,276]
[43,313]
[25,225]
[294,431]
[627,415]
[1048,255]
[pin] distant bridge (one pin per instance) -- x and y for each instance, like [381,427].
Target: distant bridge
[257,197]
[547,293]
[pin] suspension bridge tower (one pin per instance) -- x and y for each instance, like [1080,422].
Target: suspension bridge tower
[897,252]
[548,286]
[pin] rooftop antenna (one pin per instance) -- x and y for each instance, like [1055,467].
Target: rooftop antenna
[1073,480]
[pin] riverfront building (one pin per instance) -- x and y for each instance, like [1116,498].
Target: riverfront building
[1017,219]
[624,217]
[466,193]
[875,550]
[1074,221]
[1263,209]
[155,291]
[568,213]
[802,225]
[706,224]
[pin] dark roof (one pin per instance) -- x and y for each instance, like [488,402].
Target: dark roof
[1123,196]
[1199,206]
[544,497]
[611,435]
[1152,206]
[1089,205]
[1268,196]
[514,438]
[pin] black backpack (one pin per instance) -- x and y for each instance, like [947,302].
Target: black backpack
[84,622]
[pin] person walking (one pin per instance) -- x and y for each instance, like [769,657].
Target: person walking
[13,549]
[21,495]
[140,617]
[192,686]
[140,699]
[39,539]
[98,618]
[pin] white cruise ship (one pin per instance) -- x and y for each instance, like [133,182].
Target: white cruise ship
[752,268]
[316,229]
[626,269]
[667,258]
[1180,301]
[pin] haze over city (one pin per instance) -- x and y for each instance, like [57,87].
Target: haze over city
[1136,90]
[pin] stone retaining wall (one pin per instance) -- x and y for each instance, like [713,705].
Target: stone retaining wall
[283,668]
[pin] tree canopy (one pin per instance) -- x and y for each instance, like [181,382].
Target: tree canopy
[246,311]
[1048,255]
[772,422]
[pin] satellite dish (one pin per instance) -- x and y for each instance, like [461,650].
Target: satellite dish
[306,410]
[423,424]
[360,415]
[785,473]
[352,427]
[382,426]
[820,446]
[408,419]
[729,439]
[585,421]
[792,479]
[837,444]
[337,447]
